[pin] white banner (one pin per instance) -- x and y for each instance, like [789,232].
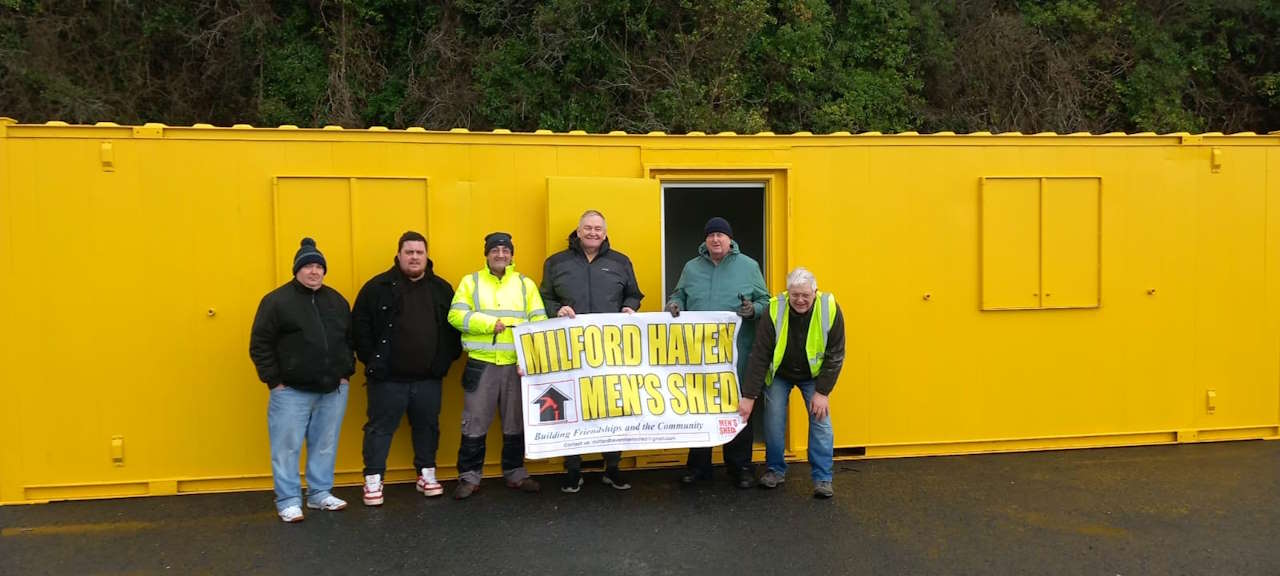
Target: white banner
[609,382]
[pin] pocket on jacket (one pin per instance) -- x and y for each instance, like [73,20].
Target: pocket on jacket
[471,375]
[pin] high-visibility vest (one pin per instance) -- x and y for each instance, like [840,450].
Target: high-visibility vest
[482,300]
[815,346]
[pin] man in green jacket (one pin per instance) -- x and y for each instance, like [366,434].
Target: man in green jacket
[722,278]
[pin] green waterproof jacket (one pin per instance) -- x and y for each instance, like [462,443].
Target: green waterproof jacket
[706,286]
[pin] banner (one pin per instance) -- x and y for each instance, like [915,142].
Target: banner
[609,382]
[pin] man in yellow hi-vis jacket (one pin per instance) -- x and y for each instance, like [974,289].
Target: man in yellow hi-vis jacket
[487,303]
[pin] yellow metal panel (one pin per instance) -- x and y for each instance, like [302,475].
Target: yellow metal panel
[913,374]
[383,209]
[1010,243]
[1271,342]
[1069,242]
[631,206]
[10,428]
[318,208]
[1232,352]
[1147,289]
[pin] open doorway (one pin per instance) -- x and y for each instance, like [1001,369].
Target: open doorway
[686,207]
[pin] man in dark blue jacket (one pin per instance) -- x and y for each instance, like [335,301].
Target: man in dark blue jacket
[589,278]
[299,344]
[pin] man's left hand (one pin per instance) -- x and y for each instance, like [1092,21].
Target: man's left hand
[818,406]
[744,407]
[627,310]
[342,381]
[747,309]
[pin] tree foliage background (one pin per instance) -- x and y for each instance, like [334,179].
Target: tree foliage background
[640,65]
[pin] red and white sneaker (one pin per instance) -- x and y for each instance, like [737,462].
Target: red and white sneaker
[373,490]
[427,483]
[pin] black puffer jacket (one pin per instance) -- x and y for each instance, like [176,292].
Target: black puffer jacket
[603,285]
[374,316]
[300,338]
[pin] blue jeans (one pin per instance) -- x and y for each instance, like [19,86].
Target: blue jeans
[821,438]
[293,415]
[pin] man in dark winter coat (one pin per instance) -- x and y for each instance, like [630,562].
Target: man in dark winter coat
[590,278]
[403,337]
[299,346]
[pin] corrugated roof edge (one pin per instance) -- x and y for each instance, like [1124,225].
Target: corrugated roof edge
[152,126]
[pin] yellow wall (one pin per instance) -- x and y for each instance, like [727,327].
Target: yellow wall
[133,259]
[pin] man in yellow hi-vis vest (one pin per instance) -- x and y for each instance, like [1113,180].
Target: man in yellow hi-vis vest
[489,302]
[799,344]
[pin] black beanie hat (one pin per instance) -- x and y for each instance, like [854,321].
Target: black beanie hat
[498,239]
[308,254]
[718,224]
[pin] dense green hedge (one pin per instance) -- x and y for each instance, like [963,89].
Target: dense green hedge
[637,65]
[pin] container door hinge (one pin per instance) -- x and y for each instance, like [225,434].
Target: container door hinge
[107,154]
[117,450]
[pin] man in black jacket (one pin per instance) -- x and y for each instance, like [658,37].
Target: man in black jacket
[403,337]
[590,278]
[299,346]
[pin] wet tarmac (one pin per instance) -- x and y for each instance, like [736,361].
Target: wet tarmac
[1187,509]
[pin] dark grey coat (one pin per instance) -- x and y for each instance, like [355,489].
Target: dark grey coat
[604,285]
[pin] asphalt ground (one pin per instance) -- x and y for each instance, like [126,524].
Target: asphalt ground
[1185,509]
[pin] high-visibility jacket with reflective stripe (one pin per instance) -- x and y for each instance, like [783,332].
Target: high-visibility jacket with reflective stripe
[483,299]
[815,346]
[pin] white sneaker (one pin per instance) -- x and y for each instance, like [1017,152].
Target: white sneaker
[373,490]
[291,514]
[427,483]
[329,503]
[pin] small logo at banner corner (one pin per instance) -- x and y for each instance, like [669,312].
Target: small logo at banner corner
[729,426]
[551,405]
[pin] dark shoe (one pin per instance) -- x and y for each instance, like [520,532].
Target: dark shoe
[693,476]
[744,480]
[771,479]
[822,489]
[527,485]
[572,482]
[465,490]
[613,477]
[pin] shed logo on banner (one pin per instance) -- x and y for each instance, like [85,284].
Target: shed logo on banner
[607,382]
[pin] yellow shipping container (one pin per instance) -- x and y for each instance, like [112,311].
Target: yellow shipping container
[1002,292]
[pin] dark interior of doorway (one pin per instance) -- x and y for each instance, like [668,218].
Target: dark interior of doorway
[686,210]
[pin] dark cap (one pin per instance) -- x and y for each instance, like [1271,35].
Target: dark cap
[498,239]
[718,224]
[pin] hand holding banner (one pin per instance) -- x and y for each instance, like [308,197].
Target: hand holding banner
[608,382]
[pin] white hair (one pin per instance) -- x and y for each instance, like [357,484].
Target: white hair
[590,213]
[801,277]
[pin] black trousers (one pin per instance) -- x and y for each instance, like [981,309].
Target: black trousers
[388,402]
[737,455]
[611,460]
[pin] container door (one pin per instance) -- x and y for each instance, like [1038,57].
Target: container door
[632,211]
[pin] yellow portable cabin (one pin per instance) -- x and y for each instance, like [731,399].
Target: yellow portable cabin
[1001,291]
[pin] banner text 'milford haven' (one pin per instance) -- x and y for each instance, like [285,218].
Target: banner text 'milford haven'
[571,348]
